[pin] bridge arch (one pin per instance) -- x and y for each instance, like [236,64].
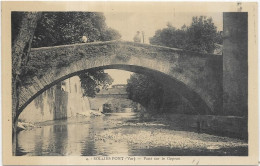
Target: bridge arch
[195,76]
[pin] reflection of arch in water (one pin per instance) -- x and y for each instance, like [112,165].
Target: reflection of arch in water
[169,82]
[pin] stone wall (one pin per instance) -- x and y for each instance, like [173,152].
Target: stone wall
[235,64]
[59,102]
[50,105]
[231,126]
[77,104]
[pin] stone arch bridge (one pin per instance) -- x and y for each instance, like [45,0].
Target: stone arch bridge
[195,76]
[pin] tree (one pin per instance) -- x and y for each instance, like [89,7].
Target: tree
[218,38]
[92,81]
[37,29]
[146,91]
[151,94]
[200,36]
[170,37]
[110,34]
[22,36]
[59,28]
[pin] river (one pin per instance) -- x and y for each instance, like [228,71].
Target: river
[121,134]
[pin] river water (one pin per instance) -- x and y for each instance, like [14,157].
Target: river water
[121,134]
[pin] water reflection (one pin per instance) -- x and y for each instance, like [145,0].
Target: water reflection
[121,135]
[73,139]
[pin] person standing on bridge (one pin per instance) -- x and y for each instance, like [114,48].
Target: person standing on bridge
[84,39]
[137,37]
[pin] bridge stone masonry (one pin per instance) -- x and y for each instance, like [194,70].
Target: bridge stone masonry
[195,76]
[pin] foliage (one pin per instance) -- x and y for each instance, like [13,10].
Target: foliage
[110,34]
[61,28]
[16,18]
[92,81]
[22,35]
[154,97]
[170,37]
[200,36]
[145,90]
[218,38]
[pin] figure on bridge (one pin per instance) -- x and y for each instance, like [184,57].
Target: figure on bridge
[84,39]
[137,37]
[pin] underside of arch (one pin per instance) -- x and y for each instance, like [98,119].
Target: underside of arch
[169,82]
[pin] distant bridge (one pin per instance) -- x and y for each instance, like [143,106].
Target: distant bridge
[106,95]
[116,90]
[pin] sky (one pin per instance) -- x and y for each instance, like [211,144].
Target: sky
[129,23]
[119,76]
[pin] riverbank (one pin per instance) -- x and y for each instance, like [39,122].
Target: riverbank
[155,134]
[227,126]
[234,127]
[172,142]
[22,125]
[123,134]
